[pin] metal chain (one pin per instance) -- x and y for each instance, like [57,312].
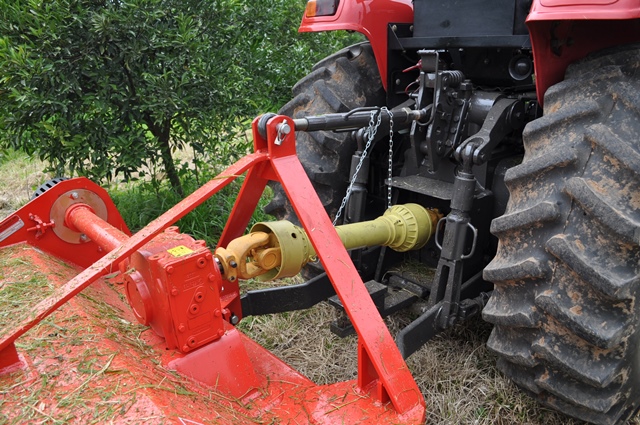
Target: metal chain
[370,133]
[390,156]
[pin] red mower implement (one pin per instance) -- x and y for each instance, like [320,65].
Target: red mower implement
[189,296]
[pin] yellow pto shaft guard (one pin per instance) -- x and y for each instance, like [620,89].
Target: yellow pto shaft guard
[280,249]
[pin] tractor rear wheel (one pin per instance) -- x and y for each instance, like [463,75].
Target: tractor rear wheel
[343,81]
[566,273]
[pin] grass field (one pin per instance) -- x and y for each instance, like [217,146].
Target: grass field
[455,371]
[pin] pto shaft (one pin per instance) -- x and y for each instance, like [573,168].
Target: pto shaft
[280,249]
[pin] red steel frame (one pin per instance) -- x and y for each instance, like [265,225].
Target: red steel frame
[579,27]
[382,373]
[368,17]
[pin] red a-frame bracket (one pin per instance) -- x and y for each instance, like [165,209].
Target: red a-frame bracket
[381,370]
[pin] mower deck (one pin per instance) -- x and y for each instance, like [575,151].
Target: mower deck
[90,362]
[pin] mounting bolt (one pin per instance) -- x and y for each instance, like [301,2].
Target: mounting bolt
[283,129]
[220,332]
[74,195]
[211,277]
[182,327]
[185,348]
[217,313]
[174,291]
[394,28]
[84,238]
[234,319]
[233,264]
[169,269]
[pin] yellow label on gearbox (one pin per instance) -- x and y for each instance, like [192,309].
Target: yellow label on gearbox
[179,251]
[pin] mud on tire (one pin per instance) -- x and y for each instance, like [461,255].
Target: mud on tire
[566,273]
[343,81]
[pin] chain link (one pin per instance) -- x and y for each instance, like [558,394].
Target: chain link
[370,133]
[389,189]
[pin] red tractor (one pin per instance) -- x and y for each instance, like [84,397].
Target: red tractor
[496,142]
[528,144]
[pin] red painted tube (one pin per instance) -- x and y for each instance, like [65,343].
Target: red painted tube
[82,218]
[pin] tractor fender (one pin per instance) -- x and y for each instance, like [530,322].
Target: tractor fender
[564,31]
[367,17]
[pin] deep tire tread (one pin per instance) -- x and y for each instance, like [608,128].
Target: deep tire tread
[602,209]
[574,212]
[537,167]
[605,280]
[522,376]
[504,342]
[587,318]
[510,311]
[597,399]
[503,271]
[539,213]
[577,362]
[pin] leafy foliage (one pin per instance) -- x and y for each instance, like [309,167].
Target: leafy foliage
[99,87]
[142,202]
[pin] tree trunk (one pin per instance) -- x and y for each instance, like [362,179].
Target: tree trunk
[162,134]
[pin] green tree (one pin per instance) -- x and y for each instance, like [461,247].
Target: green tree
[98,87]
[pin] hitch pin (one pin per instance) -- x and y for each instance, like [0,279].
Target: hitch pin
[283,129]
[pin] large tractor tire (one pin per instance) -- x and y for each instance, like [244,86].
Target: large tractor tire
[343,81]
[566,273]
